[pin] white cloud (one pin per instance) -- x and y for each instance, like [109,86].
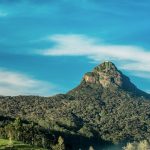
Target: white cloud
[141,65]
[95,49]
[148,91]
[141,74]
[13,83]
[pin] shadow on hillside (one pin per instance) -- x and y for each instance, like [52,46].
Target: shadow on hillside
[75,142]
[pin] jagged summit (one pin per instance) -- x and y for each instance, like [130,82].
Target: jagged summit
[106,67]
[108,75]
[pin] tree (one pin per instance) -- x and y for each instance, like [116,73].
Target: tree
[143,145]
[61,143]
[91,148]
[10,131]
[18,128]
[130,147]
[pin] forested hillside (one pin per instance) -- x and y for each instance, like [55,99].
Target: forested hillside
[105,107]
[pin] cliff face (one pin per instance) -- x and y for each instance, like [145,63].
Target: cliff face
[105,74]
[108,76]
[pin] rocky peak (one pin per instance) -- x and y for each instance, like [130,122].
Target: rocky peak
[107,75]
[106,67]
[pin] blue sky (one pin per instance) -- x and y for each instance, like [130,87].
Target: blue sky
[46,46]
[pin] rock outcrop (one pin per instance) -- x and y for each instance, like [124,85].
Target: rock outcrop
[107,75]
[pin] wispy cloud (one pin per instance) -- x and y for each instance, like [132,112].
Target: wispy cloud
[148,91]
[140,65]
[135,58]
[3,14]
[142,75]
[13,83]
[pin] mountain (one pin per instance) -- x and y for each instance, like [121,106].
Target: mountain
[105,107]
[107,76]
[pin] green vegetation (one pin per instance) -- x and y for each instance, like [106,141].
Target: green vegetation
[90,113]
[91,148]
[15,145]
[28,132]
[60,145]
[142,145]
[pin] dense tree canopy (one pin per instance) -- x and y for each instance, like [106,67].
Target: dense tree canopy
[112,113]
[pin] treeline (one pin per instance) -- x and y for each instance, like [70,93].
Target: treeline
[29,133]
[142,145]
